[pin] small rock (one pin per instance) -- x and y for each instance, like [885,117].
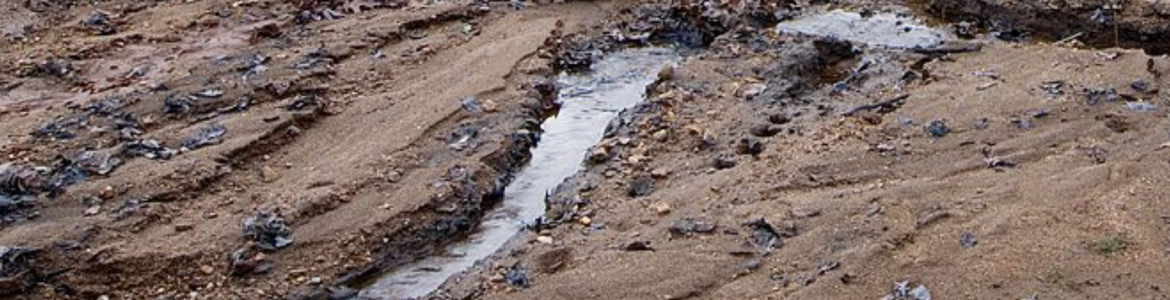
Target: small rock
[547,240]
[268,174]
[93,210]
[517,276]
[641,186]
[967,240]
[661,208]
[938,129]
[638,246]
[766,130]
[181,227]
[599,155]
[207,269]
[659,173]
[723,161]
[750,146]
[1140,86]
[805,212]
[929,216]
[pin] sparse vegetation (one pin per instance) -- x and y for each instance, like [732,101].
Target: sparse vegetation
[1112,245]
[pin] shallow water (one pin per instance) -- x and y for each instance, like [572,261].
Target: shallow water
[588,103]
[882,29]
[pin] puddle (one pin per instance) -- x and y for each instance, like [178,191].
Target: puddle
[588,103]
[882,29]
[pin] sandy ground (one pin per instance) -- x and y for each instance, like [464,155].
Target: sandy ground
[770,177]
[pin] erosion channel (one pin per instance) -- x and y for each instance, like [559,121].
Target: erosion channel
[588,102]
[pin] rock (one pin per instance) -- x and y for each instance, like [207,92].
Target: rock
[93,210]
[599,155]
[209,93]
[638,246]
[766,130]
[207,136]
[661,208]
[517,276]
[268,230]
[750,146]
[268,174]
[207,270]
[752,90]
[805,212]
[929,216]
[1000,163]
[1140,86]
[246,261]
[181,227]
[688,226]
[1054,88]
[1141,106]
[659,173]
[723,161]
[642,186]
[543,239]
[938,129]
[780,119]
[826,267]
[764,236]
[967,240]
[553,260]
[99,22]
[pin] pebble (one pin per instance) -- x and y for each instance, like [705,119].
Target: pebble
[184,227]
[268,174]
[661,208]
[547,240]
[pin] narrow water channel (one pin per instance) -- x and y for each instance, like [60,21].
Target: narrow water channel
[589,101]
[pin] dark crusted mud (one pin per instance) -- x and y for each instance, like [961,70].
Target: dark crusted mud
[269,149]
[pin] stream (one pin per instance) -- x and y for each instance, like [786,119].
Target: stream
[589,101]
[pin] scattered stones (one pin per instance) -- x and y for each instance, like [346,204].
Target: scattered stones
[15,269]
[1094,96]
[902,291]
